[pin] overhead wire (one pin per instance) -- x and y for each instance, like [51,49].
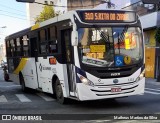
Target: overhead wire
[42,4]
[35,15]
[16,13]
[16,17]
[11,8]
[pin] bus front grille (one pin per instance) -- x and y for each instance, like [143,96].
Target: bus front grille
[107,91]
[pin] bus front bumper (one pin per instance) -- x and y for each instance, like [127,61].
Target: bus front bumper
[86,92]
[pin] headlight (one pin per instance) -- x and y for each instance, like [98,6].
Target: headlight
[140,76]
[86,81]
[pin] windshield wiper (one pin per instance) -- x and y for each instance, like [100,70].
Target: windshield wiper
[122,35]
[102,34]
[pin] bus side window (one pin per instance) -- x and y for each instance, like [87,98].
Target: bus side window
[25,45]
[66,34]
[43,41]
[13,48]
[52,39]
[8,48]
[18,43]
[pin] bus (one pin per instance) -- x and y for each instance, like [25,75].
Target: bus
[84,55]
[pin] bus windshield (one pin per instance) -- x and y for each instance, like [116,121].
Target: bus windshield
[110,46]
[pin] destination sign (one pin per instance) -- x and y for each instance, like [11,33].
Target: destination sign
[107,16]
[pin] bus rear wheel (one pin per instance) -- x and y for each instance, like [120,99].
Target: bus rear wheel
[59,93]
[23,86]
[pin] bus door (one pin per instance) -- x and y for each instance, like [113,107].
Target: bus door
[67,49]
[33,60]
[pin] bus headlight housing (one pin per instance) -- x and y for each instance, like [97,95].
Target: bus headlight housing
[86,81]
[141,76]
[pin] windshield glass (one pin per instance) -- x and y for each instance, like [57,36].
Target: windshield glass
[110,47]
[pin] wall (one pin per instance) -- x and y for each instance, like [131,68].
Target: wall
[150,53]
[83,4]
[34,9]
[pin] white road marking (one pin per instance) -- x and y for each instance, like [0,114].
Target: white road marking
[141,94]
[23,98]
[152,89]
[11,86]
[3,98]
[45,97]
[151,92]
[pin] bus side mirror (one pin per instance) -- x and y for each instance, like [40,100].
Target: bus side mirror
[74,38]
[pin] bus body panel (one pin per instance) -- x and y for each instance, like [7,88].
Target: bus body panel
[39,73]
[46,71]
[109,81]
[86,92]
[29,74]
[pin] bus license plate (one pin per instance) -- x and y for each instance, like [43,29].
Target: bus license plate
[116,89]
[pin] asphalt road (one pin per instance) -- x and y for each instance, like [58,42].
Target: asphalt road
[14,101]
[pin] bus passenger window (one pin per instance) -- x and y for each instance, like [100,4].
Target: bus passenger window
[8,49]
[52,38]
[18,43]
[43,36]
[25,45]
[52,48]
[13,50]
[43,41]
[52,33]
[25,51]
[43,48]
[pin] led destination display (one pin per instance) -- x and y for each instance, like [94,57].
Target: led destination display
[107,16]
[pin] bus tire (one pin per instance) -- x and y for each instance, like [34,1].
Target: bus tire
[59,93]
[22,82]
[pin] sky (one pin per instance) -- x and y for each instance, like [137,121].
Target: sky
[13,16]
[119,3]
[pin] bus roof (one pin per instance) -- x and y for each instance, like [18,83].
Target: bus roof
[20,33]
[68,15]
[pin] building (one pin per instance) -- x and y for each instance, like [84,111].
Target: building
[82,4]
[34,9]
[2,53]
[150,18]
[60,6]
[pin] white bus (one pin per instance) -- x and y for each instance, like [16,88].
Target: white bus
[83,55]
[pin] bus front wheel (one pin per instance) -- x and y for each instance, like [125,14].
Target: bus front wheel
[59,93]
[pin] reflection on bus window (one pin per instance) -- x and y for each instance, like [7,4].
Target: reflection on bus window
[103,46]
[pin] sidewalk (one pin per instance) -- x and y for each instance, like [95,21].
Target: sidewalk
[152,81]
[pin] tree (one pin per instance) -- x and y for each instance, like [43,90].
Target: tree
[47,13]
[157,35]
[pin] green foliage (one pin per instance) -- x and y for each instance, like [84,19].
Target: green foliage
[47,13]
[157,35]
